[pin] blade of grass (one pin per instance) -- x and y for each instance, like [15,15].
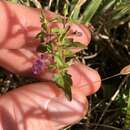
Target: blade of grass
[108,5]
[121,10]
[90,11]
[75,13]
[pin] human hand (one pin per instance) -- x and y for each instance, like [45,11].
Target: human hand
[40,105]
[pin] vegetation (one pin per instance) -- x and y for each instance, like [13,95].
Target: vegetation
[108,53]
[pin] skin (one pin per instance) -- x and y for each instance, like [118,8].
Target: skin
[41,105]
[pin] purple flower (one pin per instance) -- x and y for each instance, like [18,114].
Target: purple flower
[38,65]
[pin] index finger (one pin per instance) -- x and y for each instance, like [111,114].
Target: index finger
[21,24]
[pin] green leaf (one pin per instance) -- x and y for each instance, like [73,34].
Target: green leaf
[44,21]
[58,78]
[68,84]
[58,30]
[45,48]
[59,60]
[71,44]
[42,48]
[61,32]
[76,45]
[107,5]
[51,66]
[63,35]
[67,42]
[68,53]
[49,47]
[40,36]
[65,11]
[64,81]
[90,11]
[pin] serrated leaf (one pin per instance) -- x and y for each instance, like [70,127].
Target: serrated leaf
[68,84]
[64,81]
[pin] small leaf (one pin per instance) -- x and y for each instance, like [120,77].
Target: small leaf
[42,48]
[77,45]
[44,21]
[40,36]
[64,81]
[68,84]
[65,11]
[51,66]
[58,60]
[45,48]
[68,53]
[58,78]
[58,30]
[67,42]
[63,35]
[49,47]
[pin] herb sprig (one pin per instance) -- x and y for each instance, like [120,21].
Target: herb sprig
[55,43]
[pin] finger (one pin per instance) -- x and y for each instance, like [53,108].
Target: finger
[17,61]
[21,61]
[63,112]
[85,78]
[33,106]
[21,24]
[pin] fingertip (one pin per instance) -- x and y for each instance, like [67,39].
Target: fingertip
[85,78]
[85,34]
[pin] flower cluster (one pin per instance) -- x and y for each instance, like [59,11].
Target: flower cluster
[38,65]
